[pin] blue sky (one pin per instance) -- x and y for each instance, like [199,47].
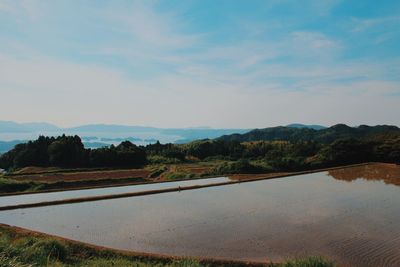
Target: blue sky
[195,63]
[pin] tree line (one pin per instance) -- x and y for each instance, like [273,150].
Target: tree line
[69,152]
[255,156]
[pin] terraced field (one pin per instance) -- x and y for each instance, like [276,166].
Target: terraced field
[349,215]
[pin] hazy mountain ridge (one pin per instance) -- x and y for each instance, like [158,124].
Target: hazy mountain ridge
[96,135]
[99,135]
[311,126]
[14,127]
[325,135]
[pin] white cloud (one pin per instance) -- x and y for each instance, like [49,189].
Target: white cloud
[140,20]
[253,82]
[47,89]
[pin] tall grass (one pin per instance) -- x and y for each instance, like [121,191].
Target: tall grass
[22,250]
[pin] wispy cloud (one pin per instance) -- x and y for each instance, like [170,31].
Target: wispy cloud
[141,63]
[144,24]
[365,24]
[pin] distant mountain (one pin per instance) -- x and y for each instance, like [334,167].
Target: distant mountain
[112,133]
[191,134]
[325,135]
[14,127]
[93,128]
[97,135]
[41,126]
[95,144]
[181,135]
[300,126]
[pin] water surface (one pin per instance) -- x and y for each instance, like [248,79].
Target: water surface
[354,221]
[41,197]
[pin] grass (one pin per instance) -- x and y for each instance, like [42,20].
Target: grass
[176,175]
[157,170]
[8,185]
[20,248]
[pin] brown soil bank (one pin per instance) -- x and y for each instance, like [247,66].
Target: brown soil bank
[19,247]
[83,175]
[240,178]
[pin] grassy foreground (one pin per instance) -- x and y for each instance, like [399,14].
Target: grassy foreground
[22,248]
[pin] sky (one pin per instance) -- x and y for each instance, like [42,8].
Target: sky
[223,64]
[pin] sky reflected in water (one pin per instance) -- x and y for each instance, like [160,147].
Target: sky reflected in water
[355,223]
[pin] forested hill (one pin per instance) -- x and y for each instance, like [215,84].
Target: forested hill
[326,135]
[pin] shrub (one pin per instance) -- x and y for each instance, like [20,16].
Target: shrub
[10,185]
[240,166]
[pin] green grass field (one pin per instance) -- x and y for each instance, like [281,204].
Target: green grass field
[20,248]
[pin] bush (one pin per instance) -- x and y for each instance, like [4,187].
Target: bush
[162,160]
[9,185]
[179,175]
[288,164]
[240,166]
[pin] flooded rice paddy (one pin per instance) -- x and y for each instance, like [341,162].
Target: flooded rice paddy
[61,195]
[350,215]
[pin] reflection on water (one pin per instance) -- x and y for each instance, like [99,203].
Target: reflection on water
[356,224]
[388,173]
[41,197]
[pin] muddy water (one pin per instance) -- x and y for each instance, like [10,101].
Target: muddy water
[355,221]
[41,197]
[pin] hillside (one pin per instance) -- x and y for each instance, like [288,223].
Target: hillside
[326,135]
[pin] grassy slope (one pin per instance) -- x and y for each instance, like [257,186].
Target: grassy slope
[24,248]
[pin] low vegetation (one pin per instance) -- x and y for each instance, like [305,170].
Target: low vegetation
[8,185]
[19,248]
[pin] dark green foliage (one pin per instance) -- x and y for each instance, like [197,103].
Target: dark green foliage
[33,152]
[125,154]
[240,166]
[10,185]
[347,151]
[68,151]
[387,149]
[210,148]
[170,151]
[128,154]
[288,163]
[326,135]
